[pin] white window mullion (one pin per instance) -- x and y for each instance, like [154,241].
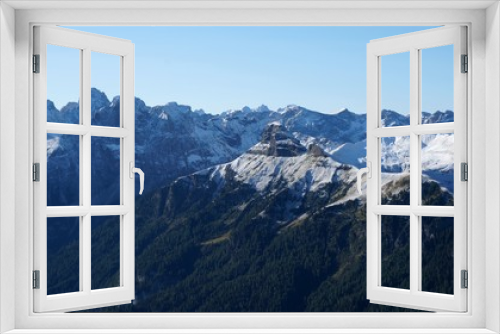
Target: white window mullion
[417,144]
[415,188]
[80,130]
[82,181]
[378,218]
[80,211]
[86,245]
[406,210]
[81,250]
[397,131]
[415,244]
[127,253]
[103,131]
[379,251]
[86,147]
[429,129]
[122,252]
[122,175]
[373,156]
[86,253]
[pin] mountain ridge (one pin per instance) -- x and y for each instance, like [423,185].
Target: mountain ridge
[252,210]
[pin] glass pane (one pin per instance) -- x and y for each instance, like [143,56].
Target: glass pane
[395,168]
[437,84]
[437,254]
[63,255]
[105,167]
[396,252]
[63,84]
[63,170]
[437,169]
[105,94]
[395,89]
[105,252]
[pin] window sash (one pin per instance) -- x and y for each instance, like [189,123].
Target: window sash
[413,298]
[86,297]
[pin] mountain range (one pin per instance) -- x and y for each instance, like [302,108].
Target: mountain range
[253,209]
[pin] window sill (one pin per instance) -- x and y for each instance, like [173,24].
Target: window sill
[251,331]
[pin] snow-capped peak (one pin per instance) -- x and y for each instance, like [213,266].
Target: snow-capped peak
[262,108]
[288,108]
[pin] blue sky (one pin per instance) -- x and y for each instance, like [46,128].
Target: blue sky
[221,68]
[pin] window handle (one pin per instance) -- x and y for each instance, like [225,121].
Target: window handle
[368,171]
[139,171]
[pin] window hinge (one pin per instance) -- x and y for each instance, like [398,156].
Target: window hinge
[464,171]
[36,63]
[465,64]
[465,279]
[36,279]
[36,172]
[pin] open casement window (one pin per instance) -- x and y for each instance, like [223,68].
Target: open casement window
[416,191]
[67,222]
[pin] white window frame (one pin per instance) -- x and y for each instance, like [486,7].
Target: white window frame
[484,48]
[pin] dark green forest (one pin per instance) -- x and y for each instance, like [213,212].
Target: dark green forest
[196,252]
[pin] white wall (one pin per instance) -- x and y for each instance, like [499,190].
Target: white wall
[492,162]
[226,17]
[7,163]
